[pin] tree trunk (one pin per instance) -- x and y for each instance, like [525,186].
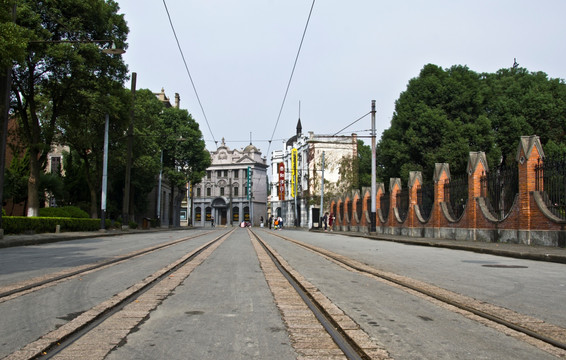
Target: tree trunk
[171,200]
[33,183]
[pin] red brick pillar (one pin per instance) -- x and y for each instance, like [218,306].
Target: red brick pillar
[477,166]
[529,153]
[415,180]
[394,188]
[441,176]
[380,189]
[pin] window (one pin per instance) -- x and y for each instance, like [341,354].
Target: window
[236,174]
[207,191]
[208,174]
[246,190]
[225,173]
[218,173]
[235,191]
[198,192]
[222,191]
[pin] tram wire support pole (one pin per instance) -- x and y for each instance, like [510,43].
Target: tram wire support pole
[373,170]
[127,180]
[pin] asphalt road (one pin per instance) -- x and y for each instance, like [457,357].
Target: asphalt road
[224,309]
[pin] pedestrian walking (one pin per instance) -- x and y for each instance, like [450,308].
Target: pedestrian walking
[325,220]
[331,220]
[270,221]
[211,221]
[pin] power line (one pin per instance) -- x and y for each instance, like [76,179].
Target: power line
[188,72]
[355,121]
[291,77]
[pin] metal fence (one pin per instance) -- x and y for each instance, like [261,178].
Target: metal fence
[359,209]
[425,199]
[384,205]
[499,187]
[550,176]
[403,203]
[456,195]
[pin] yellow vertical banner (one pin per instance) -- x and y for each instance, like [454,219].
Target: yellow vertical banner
[293,171]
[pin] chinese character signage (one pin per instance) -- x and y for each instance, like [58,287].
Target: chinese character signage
[281,185]
[293,171]
[249,181]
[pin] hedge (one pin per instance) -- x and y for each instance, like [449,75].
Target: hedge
[22,224]
[63,211]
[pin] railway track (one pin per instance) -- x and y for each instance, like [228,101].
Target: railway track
[143,296]
[10,292]
[534,328]
[315,326]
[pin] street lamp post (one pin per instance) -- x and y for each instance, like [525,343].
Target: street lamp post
[104,176]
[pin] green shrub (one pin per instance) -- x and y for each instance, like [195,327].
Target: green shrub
[64,211]
[22,224]
[133,225]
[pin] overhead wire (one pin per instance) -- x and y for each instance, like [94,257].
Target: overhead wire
[188,72]
[355,121]
[291,77]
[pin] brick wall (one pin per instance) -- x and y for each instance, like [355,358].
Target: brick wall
[527,222]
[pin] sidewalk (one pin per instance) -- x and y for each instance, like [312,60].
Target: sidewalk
[520,251]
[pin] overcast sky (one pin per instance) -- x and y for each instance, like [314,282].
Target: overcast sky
[240,55]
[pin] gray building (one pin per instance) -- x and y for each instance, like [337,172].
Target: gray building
[222,195]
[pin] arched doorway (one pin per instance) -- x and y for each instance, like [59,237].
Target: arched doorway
[221,210]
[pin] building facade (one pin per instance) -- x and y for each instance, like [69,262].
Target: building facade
[297,174]
[222,195]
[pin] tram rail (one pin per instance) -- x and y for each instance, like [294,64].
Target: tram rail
[538,329]
[12,291]
[56,342]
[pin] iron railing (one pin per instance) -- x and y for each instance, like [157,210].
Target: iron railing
[499,187]
[349,210]
[403,203]
[550,176]
[456,195]
[341,210]
[359,209]
[425,199]
[384,205]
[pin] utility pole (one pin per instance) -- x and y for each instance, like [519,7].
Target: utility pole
[373,169]
[127,181]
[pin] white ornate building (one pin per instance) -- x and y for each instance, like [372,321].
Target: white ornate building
[339,153]
[222,195]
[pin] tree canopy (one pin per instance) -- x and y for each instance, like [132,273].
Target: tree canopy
[62,63]
[446,113]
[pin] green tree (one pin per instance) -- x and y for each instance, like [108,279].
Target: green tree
[439,118]
[83,131]
[14,39]
[185,156]
[60,65]
[520,103]
[147,139]
[364,164]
